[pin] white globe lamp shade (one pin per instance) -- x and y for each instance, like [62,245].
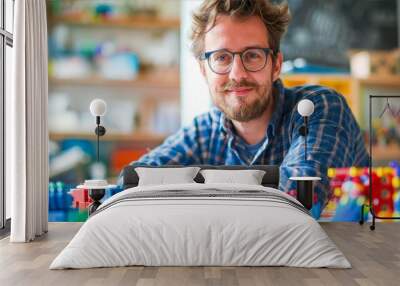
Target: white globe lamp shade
[305,107]
[98,107]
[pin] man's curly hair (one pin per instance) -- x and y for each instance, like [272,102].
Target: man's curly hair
[275,17]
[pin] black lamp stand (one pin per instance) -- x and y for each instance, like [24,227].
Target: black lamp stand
[303,132]
[100,131]
[305,185]
[97,194]
[305,193]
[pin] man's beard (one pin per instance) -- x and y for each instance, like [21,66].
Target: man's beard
[247,110]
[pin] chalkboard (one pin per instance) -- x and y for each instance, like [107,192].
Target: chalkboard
[323,31]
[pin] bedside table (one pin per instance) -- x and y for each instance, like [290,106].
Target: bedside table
[305,190]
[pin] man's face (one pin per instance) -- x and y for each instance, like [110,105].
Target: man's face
[240,94]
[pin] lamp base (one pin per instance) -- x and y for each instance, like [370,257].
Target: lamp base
[96,195]
[305,190]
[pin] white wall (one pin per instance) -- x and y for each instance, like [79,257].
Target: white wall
[195,98]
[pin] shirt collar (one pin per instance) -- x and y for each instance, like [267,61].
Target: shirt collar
[278,94]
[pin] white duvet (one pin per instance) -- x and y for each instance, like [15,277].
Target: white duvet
[206,230]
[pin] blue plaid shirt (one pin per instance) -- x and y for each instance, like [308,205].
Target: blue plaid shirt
[334,140]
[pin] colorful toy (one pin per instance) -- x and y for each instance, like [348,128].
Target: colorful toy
[67,203]
[81,199]
[350,189]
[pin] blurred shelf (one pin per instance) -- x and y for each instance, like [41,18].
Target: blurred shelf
[376,80]
[381,81]
[309,77]
[387,153]
[168,79]
[139,22]
[134,137]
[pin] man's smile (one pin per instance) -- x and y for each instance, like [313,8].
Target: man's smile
[240,91]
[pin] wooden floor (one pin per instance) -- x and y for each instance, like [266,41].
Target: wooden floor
[374,255]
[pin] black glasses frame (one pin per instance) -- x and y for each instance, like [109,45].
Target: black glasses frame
[207,56]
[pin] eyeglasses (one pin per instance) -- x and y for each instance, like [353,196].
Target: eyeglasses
[221,61]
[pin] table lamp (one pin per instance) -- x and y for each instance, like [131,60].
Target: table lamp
[97,188]
[305,185]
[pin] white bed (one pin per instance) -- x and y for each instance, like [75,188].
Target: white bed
[221,225]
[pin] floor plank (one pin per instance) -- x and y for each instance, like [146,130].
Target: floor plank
[374,255]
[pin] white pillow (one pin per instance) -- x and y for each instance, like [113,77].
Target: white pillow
[249,177]
[164,176]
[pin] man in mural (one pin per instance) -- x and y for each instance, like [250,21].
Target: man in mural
[254,119]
